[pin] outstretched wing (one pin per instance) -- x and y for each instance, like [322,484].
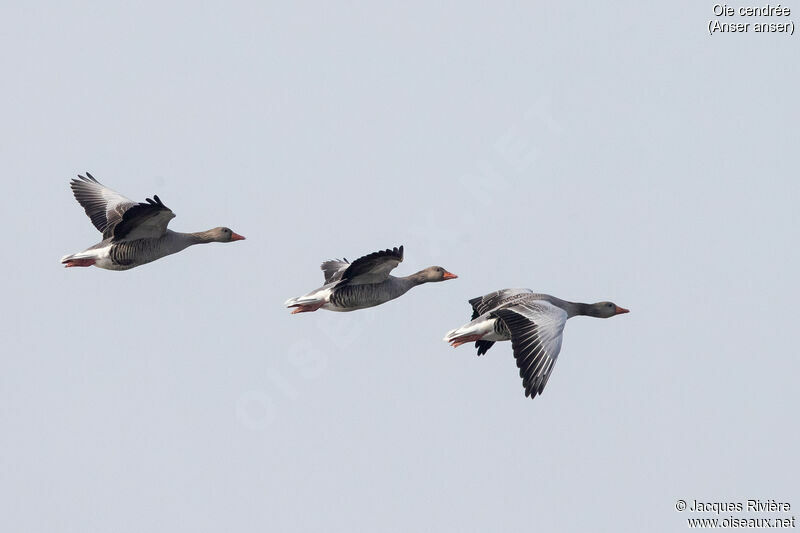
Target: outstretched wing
[536,329]
[333,269]
[117,216]
[372,268]
[103,206]
[483,304]
[146,220]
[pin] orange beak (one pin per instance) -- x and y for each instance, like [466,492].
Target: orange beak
[448,275]
[236,237]
[621,311]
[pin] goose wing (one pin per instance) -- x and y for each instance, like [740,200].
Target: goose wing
[372,268]
[145,220]
[536,331]
[333,269]
[103,206]
[483,304]
[119,217]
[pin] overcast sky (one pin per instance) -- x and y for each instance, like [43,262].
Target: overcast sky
[584,151]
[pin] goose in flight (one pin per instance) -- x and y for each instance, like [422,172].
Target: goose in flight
[365,282]
[134,233]
[533,322]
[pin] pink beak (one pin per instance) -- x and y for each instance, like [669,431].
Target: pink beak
[448,275]
[621,311]
[236,237]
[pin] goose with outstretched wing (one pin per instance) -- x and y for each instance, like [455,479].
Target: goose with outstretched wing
[134,233]
[366,282]
[534,323]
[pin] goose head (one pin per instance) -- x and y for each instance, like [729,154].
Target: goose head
[605,310]
[435,273]
[223,234]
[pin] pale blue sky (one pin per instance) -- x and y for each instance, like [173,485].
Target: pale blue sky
[586,151]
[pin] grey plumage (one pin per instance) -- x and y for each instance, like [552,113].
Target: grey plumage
[534,323]
[103,206]
[534,360]
[366,282]
[351,297]
[135,253]
[373,268]
[133,233]
[143,218]
[333,269]
[117,217]
[483,304]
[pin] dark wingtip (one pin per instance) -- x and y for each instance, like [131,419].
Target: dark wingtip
[87,178]
[155,201]
[483,346]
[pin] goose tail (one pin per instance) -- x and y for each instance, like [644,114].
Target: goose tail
[470,332]
[81,259]
[309,302]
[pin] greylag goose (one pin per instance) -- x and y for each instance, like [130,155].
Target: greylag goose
[363,283]
[133,233]
[533,322]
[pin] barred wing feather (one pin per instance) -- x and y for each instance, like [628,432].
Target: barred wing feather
[536,333]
